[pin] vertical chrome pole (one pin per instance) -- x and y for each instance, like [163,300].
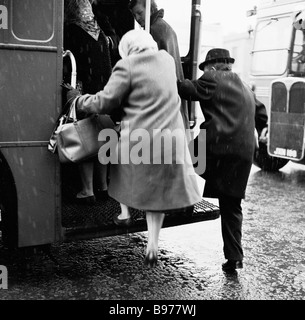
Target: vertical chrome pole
[147,15]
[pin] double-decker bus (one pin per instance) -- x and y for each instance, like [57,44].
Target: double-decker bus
[277,76]
[35,207]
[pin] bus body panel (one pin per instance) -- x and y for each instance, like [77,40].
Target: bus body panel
[30,92]
[262,89]
[270,8]
[38,200]
[30,78]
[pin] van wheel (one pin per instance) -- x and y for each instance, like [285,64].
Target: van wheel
[265,162]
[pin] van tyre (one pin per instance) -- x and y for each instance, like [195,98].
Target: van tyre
[265,162]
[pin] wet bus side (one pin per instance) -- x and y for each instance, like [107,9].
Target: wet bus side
[36,205]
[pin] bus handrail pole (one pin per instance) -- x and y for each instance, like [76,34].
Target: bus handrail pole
[194,52]
[147,15]
[73,64]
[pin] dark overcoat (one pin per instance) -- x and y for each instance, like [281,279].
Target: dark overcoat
[93,59]
[231,114]
[144,87]
[166,39]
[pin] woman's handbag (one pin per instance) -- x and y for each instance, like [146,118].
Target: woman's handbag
[77,140]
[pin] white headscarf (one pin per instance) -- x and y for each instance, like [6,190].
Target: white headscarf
[136,41]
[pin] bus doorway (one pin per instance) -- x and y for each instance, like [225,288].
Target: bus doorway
[36,191]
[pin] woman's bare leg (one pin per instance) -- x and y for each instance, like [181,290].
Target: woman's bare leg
[125,214]
[154,222]
[86,175]
[100,174]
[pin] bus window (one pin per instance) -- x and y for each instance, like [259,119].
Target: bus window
[298,54]
[269,62]
[173,11]
[272,40]
[28,14]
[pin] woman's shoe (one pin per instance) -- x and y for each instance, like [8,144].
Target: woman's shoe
[85,200]
[151,259]
[122,222]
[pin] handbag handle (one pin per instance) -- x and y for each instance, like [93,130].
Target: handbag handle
[72,111]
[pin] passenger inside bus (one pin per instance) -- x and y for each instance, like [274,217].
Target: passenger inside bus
[165,37]
[143,85]
[93,49]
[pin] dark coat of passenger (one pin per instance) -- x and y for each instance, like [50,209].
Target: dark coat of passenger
[93,60]
[231,114]
[166,39]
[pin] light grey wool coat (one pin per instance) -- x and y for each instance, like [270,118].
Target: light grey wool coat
[144,87]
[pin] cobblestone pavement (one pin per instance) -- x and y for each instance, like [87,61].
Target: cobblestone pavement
[190,256]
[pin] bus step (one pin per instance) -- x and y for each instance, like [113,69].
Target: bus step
[98,218]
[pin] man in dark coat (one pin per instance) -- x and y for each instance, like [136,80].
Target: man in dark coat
[231,115]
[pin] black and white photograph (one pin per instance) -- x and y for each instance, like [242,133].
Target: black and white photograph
[152,153]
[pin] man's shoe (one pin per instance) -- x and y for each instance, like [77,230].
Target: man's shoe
[232,265]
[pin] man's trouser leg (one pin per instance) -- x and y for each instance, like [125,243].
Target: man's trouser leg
[231,227]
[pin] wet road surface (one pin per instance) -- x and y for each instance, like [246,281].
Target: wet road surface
[190,257]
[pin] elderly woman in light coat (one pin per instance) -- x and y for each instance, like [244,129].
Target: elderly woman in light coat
[143,86]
